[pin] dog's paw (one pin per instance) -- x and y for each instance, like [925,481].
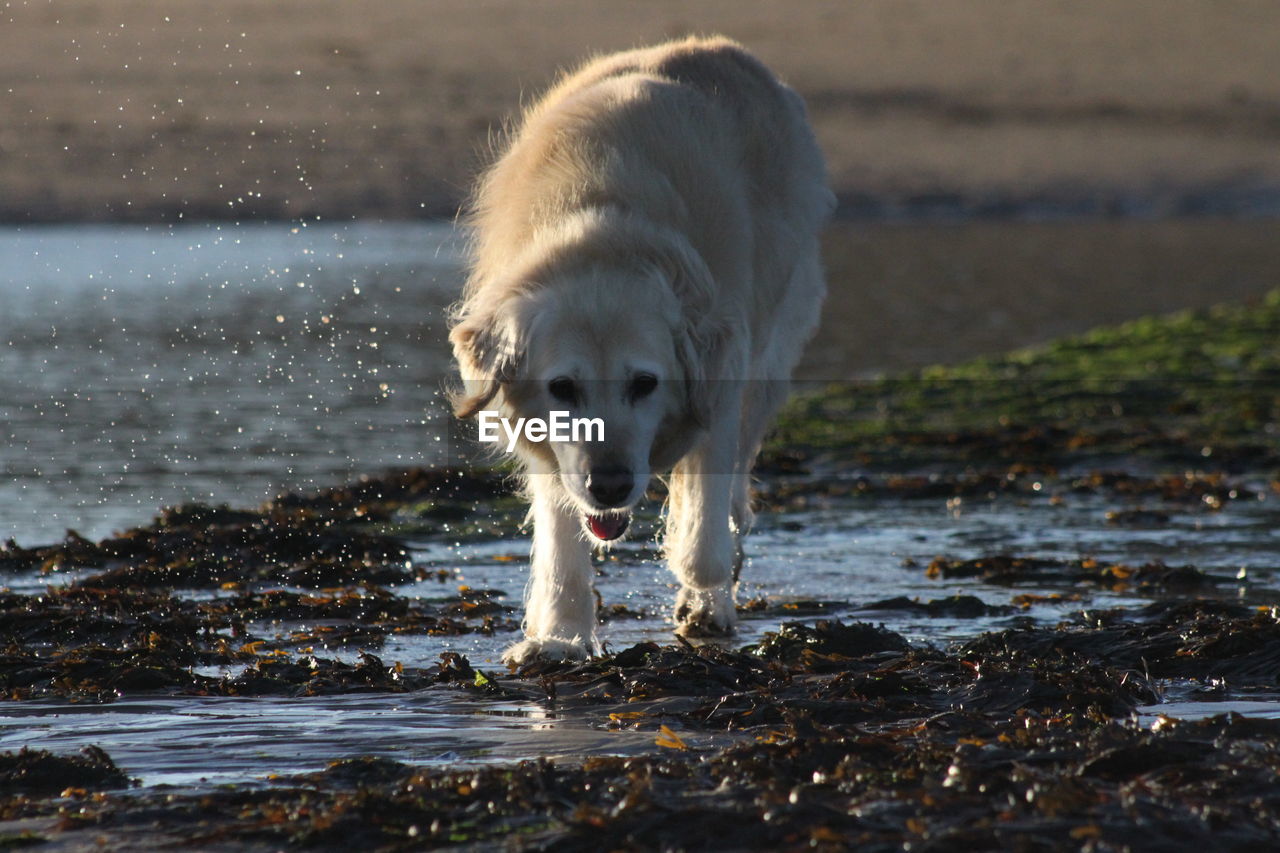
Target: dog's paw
[705,612]
[546,651]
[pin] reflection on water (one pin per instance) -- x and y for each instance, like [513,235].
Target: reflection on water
[202,740]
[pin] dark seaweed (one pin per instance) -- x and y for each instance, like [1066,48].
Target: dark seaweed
[847,736]
[35,772]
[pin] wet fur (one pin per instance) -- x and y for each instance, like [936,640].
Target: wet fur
[662,204]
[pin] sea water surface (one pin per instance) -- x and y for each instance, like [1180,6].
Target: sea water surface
[148,366]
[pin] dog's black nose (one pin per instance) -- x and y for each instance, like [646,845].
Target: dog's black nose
[610,486]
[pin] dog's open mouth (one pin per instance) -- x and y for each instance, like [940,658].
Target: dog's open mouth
[607,527]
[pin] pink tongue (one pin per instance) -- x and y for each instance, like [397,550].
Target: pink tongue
[608,527]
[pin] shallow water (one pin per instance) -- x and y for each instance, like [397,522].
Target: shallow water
[209,741]
[142,367]
[855,551]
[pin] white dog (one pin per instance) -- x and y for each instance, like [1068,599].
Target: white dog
[645,252]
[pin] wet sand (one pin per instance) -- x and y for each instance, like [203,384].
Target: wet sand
[904,296]
[132,111]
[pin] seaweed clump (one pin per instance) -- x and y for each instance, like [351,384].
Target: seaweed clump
[1195,389]
[38,772]
[94,645]
[317,540]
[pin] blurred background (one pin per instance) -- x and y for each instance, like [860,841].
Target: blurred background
[227,238]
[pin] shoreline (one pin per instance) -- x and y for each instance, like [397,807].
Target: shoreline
[1239,202]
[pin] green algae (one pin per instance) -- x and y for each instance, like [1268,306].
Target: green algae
[1198,387]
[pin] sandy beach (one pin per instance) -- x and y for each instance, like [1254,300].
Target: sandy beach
[138,111]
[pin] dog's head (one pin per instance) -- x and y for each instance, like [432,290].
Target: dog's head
[615,348]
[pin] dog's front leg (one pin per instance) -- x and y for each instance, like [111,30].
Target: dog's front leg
[560,602]
[699,542]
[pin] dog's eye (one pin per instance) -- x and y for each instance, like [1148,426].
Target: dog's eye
[643,385]
[563,389]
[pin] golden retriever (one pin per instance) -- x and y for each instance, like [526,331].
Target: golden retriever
[644,252]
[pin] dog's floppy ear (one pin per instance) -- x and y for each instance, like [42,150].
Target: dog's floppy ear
[697,396]
[489,356]
[699,336]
